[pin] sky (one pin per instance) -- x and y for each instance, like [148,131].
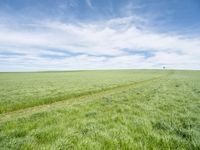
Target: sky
[44,35]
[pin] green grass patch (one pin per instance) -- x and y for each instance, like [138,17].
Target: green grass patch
[155,114]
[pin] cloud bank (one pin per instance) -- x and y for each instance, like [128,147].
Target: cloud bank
[119,43]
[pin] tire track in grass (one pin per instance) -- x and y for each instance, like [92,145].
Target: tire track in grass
[21,113]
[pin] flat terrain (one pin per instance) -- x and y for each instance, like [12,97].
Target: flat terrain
[119,109]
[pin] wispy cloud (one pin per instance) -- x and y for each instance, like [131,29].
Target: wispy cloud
[97,46]
[89,3]
[127,34]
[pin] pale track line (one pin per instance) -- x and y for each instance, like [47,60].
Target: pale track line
[69,102]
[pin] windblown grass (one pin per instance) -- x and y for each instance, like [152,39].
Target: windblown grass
[155,114]
[22,90]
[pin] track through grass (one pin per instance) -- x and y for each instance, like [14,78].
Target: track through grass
[161,112]
[23,90]
[70,101]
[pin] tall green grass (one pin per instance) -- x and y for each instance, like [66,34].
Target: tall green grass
[157,114]
[22,90]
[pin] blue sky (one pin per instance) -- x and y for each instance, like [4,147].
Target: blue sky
[38,35]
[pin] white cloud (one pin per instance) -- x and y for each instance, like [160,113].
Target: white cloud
[91,44]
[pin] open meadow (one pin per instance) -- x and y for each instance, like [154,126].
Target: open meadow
[114,109]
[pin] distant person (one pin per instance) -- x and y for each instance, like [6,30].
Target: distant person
[163,67]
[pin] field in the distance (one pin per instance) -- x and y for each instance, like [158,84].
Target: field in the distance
[119,109]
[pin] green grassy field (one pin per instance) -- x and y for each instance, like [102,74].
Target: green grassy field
[119,109]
